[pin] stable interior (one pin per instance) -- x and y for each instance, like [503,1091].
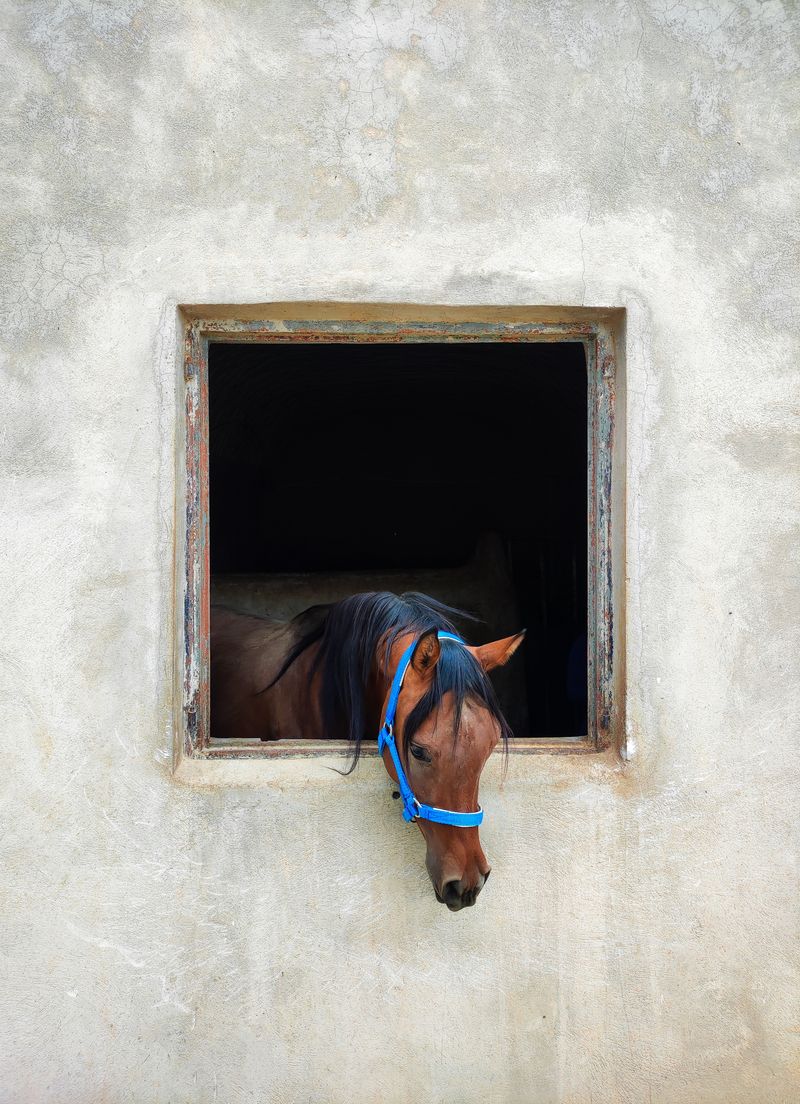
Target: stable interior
[458,469]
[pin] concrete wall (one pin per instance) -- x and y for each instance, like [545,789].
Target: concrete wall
[278,941]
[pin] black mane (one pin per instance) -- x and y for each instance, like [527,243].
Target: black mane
[349,636]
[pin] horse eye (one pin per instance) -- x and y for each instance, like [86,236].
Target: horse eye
[420,753]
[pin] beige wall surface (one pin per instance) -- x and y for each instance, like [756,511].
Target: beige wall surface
[271,936]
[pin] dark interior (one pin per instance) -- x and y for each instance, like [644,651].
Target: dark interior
[366,457]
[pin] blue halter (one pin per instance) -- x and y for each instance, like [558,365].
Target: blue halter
[413,809]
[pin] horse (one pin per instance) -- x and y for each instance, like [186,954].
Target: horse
[335,672]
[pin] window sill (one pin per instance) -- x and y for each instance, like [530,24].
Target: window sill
[294,762]
[306,749]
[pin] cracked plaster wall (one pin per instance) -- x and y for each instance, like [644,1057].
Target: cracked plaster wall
[638,939]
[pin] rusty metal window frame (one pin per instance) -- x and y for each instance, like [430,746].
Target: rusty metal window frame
[598,331]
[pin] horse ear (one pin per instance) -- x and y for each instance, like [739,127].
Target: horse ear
[427,652]
[498,652]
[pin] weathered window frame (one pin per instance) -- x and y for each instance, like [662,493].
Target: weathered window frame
[601,334]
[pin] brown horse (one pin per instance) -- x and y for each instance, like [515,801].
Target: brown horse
[326,675]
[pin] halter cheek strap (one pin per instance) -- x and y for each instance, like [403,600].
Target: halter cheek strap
[413,809]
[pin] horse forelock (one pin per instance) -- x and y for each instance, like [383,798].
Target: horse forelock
[457,673]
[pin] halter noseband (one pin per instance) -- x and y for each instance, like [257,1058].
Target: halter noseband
[413,809]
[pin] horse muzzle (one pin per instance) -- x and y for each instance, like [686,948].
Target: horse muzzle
[459,894]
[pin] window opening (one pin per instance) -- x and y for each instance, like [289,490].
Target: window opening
[452,468]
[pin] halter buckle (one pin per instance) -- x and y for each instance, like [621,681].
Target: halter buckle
[411,810]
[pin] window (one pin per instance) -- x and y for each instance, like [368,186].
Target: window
[471,461]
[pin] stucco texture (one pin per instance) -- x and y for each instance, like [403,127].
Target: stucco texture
[279,940]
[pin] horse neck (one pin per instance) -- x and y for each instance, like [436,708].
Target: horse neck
[297,710]
[294,712]
[294,702]
[374,692]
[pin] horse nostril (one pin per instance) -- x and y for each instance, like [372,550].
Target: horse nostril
[451,895]
[456,897]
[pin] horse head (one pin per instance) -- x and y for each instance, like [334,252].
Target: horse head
[447,723]
[379,659]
